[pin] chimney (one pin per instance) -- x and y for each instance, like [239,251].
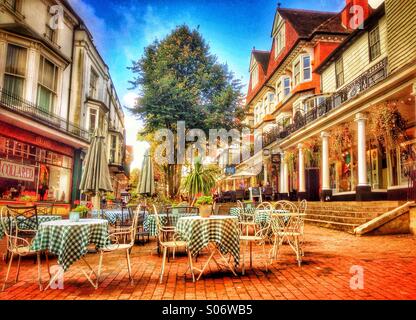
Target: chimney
[355,13]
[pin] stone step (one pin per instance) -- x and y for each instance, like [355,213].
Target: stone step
[340,219]
[346,227]
[362,214]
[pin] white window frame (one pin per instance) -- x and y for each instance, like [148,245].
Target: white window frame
[280,40]
[302,68]
[96,119]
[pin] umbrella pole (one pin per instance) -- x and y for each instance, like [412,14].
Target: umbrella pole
[96,201]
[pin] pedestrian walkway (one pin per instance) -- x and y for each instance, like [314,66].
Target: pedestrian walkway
[388,264]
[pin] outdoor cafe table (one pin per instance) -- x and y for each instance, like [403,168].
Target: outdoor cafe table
[69,241]
[112,216]
[220,234]
[28,226]
[149,222]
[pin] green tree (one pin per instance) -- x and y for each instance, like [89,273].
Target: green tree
[180,80]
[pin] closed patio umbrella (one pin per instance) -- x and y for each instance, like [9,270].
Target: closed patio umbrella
[96,175]
[146,186]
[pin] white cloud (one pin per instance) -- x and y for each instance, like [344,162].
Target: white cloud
[155,27]
[129,99]
[133,126]
[96,25]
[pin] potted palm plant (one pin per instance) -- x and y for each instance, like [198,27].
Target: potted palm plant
[200,181]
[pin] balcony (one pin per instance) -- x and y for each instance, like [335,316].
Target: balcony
[322,105]
[27,109]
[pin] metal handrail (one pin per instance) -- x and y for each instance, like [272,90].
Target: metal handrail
[28,109]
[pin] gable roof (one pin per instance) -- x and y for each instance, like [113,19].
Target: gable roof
[308,22]
[262,58]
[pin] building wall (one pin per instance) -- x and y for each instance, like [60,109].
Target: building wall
[356,59]
[401,26]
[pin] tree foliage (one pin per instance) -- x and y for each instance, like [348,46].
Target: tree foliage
[180,80]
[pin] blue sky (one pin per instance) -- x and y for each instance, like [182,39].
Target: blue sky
[122,29]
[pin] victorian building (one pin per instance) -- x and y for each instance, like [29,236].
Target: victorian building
[334,99]
[55,90]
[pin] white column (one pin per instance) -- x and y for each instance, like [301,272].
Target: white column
[325,161]
[31,75]
[282,173]
[286,176]
[362,150]
[265,174]
[302,184]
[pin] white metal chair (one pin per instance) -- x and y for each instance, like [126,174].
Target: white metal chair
[173,242]
[287,226]
[253,229]
[17,246]
[123,235]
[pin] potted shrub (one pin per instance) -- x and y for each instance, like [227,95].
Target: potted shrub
[110,198]
[205,206]
[80,211]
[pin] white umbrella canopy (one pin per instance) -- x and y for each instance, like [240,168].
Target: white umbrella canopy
[242,175]
[96,175]
[147,180]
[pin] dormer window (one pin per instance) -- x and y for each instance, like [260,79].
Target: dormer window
[279,36]
[255,77]
[280,40]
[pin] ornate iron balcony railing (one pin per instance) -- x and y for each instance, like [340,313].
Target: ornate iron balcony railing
[325,104]
[30,110]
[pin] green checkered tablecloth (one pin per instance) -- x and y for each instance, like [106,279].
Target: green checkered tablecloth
[198,232]
[41,219]
[112,216]
[69,240]
[262,216]
[149,223]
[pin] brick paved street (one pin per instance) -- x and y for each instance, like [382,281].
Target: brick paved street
[389,264]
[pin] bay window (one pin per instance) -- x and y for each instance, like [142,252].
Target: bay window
[93,84]
[283,88]
[296,73]
[92,119]
[47,84]
[113,149]
[302,69]
[307,70]
[14,76]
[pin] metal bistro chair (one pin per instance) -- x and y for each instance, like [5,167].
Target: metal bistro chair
[287,227]
[173,243]
[17,246]
[26,219]
[141,232]
[118,243]
[253,229]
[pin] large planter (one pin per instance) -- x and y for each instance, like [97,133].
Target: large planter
[74,216]
[205,211]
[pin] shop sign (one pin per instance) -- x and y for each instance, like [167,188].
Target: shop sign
[10,170]
[230,170]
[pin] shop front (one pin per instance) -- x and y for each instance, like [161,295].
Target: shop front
[34,169]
